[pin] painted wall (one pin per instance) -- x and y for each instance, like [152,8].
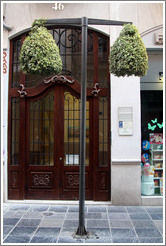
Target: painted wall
[144,15]
[125,92]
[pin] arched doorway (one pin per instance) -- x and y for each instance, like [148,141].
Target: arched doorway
[44,124]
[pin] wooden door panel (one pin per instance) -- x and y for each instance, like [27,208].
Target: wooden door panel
[41,174]
[69,184]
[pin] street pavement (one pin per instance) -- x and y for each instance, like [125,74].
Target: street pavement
[48,223]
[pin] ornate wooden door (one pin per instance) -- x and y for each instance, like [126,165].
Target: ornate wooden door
[52,145]
[43,122]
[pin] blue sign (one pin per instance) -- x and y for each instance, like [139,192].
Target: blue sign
[120,124]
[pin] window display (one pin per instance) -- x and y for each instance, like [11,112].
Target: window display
[152,165]
[156,160]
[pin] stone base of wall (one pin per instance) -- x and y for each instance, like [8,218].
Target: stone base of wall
[151,201]
[126,183]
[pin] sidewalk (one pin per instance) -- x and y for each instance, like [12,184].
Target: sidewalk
[36,223]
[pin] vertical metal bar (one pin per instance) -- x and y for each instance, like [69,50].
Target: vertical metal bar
[81,228]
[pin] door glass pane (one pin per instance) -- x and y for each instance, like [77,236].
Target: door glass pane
[103,131]
[41,131]
[15,117]
[69,43]
[16,63]
[72,130]
[103,62]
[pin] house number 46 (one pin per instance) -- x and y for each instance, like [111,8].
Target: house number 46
[58,6]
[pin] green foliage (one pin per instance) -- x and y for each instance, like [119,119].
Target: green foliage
[128,54]
[40,54]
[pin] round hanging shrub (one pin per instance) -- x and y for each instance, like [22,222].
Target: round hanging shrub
[128,54]
[39,53]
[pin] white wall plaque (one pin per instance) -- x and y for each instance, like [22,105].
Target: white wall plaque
[125,120]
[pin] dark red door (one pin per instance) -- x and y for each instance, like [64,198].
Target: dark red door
[43,123]
[52,145]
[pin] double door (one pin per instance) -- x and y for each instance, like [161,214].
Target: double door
[52,146]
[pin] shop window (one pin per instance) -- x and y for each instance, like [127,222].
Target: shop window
[152,142]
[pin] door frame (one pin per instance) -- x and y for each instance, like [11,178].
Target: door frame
[16,173]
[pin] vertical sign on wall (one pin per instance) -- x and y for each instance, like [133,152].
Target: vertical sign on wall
[4,61]
[125,120]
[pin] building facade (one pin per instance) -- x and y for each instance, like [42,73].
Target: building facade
[41,128]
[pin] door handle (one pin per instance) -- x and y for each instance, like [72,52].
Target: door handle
[60,158]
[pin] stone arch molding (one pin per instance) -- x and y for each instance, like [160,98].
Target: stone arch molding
[152,37]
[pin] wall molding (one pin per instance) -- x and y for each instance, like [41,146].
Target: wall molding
[126,162]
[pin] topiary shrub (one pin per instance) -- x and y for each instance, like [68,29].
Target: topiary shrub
[128,54]
[39,53]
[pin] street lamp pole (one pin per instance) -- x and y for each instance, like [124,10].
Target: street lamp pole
[81,228]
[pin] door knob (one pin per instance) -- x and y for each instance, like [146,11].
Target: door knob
[60,158]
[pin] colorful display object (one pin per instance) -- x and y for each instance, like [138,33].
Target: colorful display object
[145,145]
[156,138]
[148,173]
[145,158]
[147,188]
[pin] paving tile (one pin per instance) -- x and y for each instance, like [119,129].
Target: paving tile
[118,216]
[69,240]
[17,239]
[121,224]
[117,209]
[97,224]
[123,233]
[44,239]
[143,224]
[98,215]
[147,232]
[19,207]
[39,208]
[99,240]
[96,209]
[72,216]
[151,240]
[22,231]
[29,222]
[58,208]
[10,221]
[54,216]
[75,209]
[136,209]
[68,231]
[33,215]
[70,223]
[99,232]
[156,216]
[125,240]
[154,210]
[10,215]
[159,225]
[139,216]
[51,223]
[7,229]
[47,232]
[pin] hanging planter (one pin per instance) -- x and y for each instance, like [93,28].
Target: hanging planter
[128,54]
[39,53]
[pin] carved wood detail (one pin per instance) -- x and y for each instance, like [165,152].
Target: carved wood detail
[14,180]
[41,179]
[72,180]
[103,181]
